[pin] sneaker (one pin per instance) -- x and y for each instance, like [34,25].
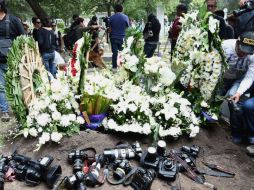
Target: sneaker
[250,150]
[5,117]
[114,70]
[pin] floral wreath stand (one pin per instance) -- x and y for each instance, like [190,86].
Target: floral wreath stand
[31,63]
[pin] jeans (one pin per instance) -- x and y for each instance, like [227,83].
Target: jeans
[150,48]
[248,113]
[48,60]
[116,45]
[3,101]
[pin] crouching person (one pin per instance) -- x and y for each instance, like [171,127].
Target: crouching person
[238,80]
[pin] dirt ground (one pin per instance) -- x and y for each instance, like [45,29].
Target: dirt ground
[214,140]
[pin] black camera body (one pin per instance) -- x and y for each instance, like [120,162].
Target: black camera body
[76,181]
[123,152]
[191,150]
[121,169]
[167,169]
[77,157]
[234,106]
[33,172]
[150,159]
[143,179]
[153,155]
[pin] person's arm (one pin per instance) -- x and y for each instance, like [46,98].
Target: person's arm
[40,37]
[19,27]
[245,83]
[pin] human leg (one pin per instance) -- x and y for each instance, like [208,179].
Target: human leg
[114,47]
[4,106]
[52,65]
[248,113]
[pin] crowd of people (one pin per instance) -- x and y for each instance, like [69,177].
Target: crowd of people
[238,79]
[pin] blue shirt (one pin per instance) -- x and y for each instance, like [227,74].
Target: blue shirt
[118,23]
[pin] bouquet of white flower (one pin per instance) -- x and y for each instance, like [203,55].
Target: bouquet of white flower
[51,116]
[199,57]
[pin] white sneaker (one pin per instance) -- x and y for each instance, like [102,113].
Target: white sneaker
[5,117]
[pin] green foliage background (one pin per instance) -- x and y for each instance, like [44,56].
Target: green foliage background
[137,9]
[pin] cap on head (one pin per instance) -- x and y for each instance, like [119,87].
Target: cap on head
[247,42]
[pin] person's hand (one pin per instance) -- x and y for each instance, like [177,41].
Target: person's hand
[236,97]
[242,2]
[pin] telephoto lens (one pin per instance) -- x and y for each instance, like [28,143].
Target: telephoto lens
[76,181]
[151,154]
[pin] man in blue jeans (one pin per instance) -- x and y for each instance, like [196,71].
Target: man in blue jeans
[118,24]
[10,28]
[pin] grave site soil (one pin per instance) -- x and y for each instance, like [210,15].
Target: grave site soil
[217,148]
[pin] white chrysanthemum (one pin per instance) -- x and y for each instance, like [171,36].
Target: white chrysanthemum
[172,131]
[56,86]
[72,117]
[194,130]
[52,107]
[43,119]
[33,132]
[80,120]
[56,137]
[112,124]
[56,116]
[44,138]
[65,121]
[40,129]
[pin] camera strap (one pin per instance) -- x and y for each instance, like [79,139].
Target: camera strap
[191,173]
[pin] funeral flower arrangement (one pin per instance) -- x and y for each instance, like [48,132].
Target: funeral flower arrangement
[54,114]
[199,59]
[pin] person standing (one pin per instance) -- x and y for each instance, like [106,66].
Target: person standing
[212,7]
[59,40]
[10,28]
[47,44]
[37,24]
[151,35]
[181,9]
[118,24]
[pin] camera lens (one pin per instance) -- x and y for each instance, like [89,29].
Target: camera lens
[168,164]
[161,147]
[119,174]
[151,154]
[77,166]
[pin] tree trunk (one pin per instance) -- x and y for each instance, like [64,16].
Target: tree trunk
[38,10]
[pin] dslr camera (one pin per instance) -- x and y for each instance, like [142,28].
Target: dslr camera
[76,181]
[33,172]
[149,33]
[77,157]
[151,158]
[248,6]
[234,106]
[123,152]
[121,169]
[191,150]
[167,169]
[143,179]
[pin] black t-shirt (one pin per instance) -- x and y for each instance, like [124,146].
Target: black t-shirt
[46,40]
[35,34]
[16,28]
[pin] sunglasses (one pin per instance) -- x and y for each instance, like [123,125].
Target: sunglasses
[38,22]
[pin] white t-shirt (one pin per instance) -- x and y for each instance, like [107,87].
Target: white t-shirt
[238,67]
